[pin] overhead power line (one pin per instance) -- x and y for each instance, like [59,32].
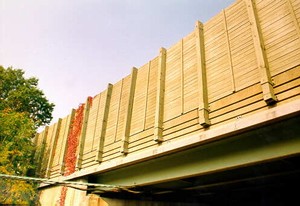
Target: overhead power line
[73,184]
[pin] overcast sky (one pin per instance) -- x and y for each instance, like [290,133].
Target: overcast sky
[76,47]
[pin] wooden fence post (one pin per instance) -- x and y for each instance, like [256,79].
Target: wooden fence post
[263,66]
[160,95]
[202,81]
[53,147]
[103,124]
[128,113]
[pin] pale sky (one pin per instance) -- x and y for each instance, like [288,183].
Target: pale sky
[76,47]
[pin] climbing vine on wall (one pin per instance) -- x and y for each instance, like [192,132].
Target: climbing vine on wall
[72,142]
[63,195]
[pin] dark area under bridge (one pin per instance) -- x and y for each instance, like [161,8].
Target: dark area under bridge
[246,171]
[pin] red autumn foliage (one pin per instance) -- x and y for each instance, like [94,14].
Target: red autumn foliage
[63,195]
[72,144]
[90,101]
[73,139]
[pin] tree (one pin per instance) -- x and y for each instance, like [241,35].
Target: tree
[16,156]
[23,95]
[23,108]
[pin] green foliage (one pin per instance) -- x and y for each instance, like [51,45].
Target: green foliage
[23,95]
[23,108]
[16,132]
[16,156]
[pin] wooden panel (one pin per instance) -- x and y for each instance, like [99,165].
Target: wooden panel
[296,7]
[280,34]
[93,121]
[39,157]
[53,146]
[263,63]
[219,75]
[140,99]
[50,135]
[91,124]
[151,98]
[243,57]
[103,111]
[292,11]
[173,83]
[39,138]
[113,114]
[123,108]
[60,139]
[65,133]
[190,80]
[48,139]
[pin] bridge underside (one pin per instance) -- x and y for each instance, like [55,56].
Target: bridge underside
[256,167]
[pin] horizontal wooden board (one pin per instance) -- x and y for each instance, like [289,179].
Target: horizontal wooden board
[287,76]
[235,97]
[293,92]
[183,132]
[144,140]
[141,135]
[287,87]
[147,144]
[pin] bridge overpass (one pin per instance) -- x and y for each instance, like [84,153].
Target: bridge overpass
[213,119]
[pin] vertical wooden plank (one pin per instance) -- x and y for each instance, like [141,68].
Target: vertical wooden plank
[147,93]
[159,111]
[53,147]
[229,51]
[65,141]
[295,20]
[202,81]
[118,110]
[35,141]
[83,134]
[128,113]
[96,121]
[266,81]
[182,78]
[152,90]
[42,150]
[103,124]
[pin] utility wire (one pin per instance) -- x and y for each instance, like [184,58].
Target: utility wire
[95,186]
